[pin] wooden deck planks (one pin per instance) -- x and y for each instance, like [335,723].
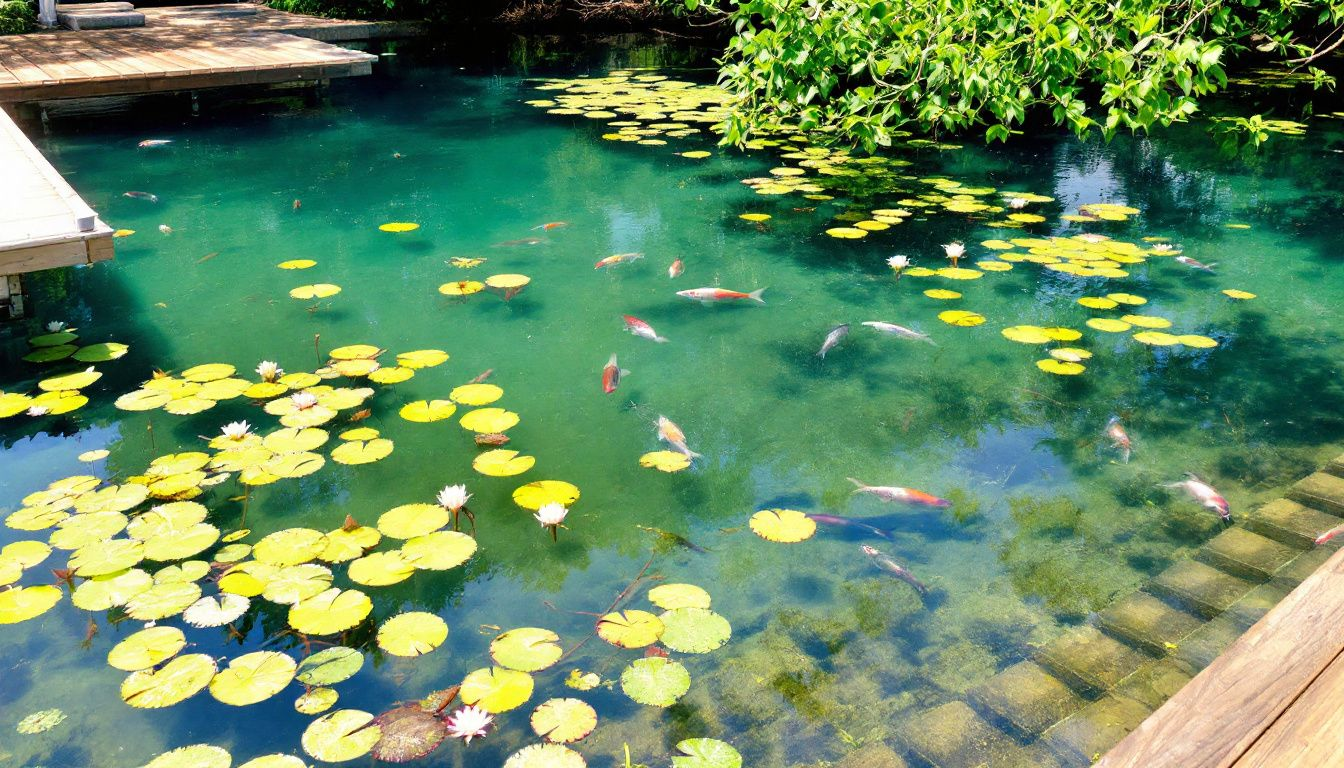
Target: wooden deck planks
[1263,687]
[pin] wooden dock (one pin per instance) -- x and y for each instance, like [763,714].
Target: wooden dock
[43,222]
[180,49]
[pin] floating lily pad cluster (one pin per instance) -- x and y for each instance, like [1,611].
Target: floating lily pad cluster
[60,394]
[641,108]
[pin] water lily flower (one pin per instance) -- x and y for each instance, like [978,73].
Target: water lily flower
[236,430]
[38,410]
[551,515]
[55,326]
[454,499]
[1092,237]
[1161,247]
[1018,203]
[469,723]
[954,250]
[303,400]
[269,371]
[898,262]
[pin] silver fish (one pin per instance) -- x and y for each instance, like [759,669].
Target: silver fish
[1189,262]
[837,333]
[898,330]
[142,196]
[895,569]
[149,143]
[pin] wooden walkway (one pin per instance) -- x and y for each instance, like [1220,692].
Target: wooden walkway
[43,223]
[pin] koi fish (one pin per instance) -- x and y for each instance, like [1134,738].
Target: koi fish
[492,438]
[1193,264]
[482,376]
[898,330]
[895,569]
[141,196]
[641,329]
[845,522]
[519,241]
[1119,437]
[165,229]
[207,257]
[672,435]
[676,269]
[1204,493]
[901,495]
[298,204]
[1330,534]
[707,295]
[150,143]
[548,226]
[619,258]
[837,333]
[674,539]
[611,375]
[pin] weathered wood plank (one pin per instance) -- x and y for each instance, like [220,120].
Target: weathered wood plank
[1213,721]
[1310,734]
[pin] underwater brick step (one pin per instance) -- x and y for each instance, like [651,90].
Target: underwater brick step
[1089,732]
[1304,565]
[1201,647]
[1291,523]
[872,756]
[1256,603]
[1091,660]
[954,736]
[1154,683]
[1336,466]
[1027,698]
[1147,621]
[1200,587]
[1322,491]
[1246,554]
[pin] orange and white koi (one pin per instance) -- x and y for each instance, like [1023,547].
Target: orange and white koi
[1330,534]
[1193,264]
[619,258]
[1119,437]
[707,295]
[676,269]
[519,241]
[672,435]
[1204,493]
[641,329]
[900,495]
[548,226]
[611,375]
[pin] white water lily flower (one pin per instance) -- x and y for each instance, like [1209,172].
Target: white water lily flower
[469,723]
[236,430]
[269,371]
[55,326]
[1018,203]
[954,250]
[453,497]
[898,262]
[303,400]
[551,514]
[1092,237]
[1161,247]
[38,410]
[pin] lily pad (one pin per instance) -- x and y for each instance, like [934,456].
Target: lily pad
[333,611]
[672,596]
[290,546]
[630,629]
[1061,367]
[526,649]
[545,756]
[438,551]
[411,520]
[40,722]
[425,411]
[502,462]
[413,633]
[275,761]
[422,358]
[786,526]
[216,611]
[489,420]
[178,680]
[538,493]
[476,394]
[147,648]
[563,721]
[694,630]
[398,226]
[315,291]
[380,569]
[496,689]
[362,451]
[193,756]
[341,735]
[655,681]
[103,592]
[330,666]
[316,701]
[408,733]
[252,678]
[961,318]
[665,461]
[706,753]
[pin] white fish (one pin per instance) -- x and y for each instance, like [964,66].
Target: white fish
[898,330]
[837,333]
[1193,264]
[165,229]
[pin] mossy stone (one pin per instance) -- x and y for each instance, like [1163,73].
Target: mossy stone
[1256,603]
[1289,522]
[1201,647]
[1304,565]
[1091,659]
[953,735]
[1154,683]
[1201,587]
[1027,698]
[872,756]
[1096,728]
[1246,554]
[1145,620]
[1322,491]
[1336,466]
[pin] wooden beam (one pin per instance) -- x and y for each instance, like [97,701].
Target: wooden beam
[1217,719]
[1310,733]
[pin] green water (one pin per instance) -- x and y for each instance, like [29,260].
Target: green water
[1046,526]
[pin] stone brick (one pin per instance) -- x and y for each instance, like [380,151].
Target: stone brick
[1287,521]
[872,756]
[1148,622]
[1091,731]
[1091,659]
[1243,553]
[1027,698]
[1201,587]
[1322,491]
[1201,647]
[954,736]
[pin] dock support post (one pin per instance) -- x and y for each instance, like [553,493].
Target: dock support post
[11,297]
[195,104]
[46,13]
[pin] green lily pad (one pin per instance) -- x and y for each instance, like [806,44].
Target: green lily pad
[27,602]
[50,354]
[496,689]
[41,722]
[101,353]
[694,630]
[341,735]
[330,612]
[330,666]
[178,680]
[655,681]
[564,720]
[526,649]
[194,756]
[253,677]
[707,753]
[147,648]
[545,756]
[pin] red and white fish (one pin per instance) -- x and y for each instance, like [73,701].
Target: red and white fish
[898,330]
[672,435]
[619,258]
[641,329]
[1119,437]
[1330,534]
[707,295]
[151,143]
[548,226]
[1193,264]
[900,495]
[1204,493]
[141,196]
[676,269]
[611,375]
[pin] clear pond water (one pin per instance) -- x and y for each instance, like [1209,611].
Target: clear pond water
[1046,525]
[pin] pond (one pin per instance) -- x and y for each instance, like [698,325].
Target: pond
[1034,517]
